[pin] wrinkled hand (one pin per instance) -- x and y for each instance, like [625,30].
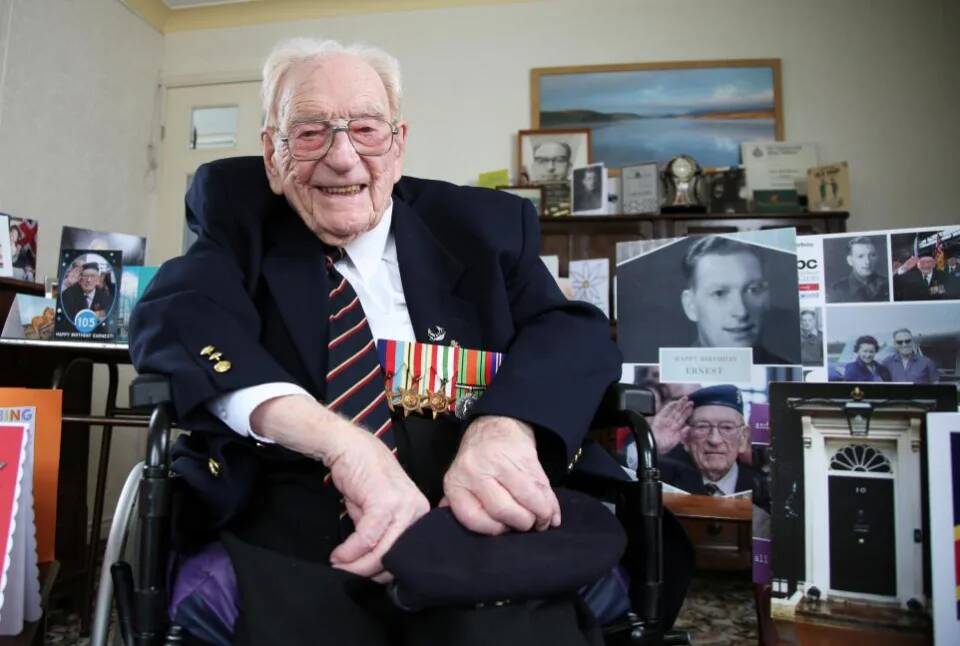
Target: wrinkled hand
[670,424]
[496,483]
[382,502]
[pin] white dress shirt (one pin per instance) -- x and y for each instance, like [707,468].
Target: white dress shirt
[370,266]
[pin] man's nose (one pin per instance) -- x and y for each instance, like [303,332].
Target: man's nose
[738,306]
[341,156]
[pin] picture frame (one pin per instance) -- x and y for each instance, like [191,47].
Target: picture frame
[528,192]
[588,190]
[679,110]
[564,149]
[641,188]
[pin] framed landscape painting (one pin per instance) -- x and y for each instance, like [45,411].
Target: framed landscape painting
[645,111]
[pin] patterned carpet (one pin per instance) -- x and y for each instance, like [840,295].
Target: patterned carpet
[719,611]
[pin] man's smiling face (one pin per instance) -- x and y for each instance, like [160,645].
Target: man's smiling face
[727,300]
[344,194]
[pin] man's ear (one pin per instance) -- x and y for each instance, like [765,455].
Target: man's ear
[689,307]
[270,161]
[850,261]
[744,439]
[400,145]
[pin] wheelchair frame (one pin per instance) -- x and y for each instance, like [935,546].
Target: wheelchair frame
[141,600]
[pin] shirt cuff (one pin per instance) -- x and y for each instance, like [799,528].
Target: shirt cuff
[234,408]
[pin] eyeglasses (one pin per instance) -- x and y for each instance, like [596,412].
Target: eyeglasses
[369,136]
[726,429]
[903,341]
[551,160]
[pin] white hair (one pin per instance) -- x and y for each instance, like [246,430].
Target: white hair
[288,52]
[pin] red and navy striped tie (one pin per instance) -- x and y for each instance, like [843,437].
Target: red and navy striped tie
[354,376]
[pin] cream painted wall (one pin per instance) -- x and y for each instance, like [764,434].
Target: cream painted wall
[77,112]
[873,82]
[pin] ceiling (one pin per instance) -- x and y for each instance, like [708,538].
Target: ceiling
[187,15]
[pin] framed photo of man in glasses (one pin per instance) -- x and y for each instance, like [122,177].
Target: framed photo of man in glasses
[549,156]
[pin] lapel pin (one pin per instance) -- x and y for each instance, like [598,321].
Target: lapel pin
[436,333]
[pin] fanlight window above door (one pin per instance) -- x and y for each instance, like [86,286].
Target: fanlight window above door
[860,457]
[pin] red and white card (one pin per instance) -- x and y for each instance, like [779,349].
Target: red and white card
[19,577]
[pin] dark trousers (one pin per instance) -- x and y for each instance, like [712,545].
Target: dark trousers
[280,549]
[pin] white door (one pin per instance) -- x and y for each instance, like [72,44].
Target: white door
[202,123]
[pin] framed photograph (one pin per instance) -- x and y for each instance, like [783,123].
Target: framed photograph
[589,189]
[657,110]
[532,193]
[549,156]
[88,287]
[641,188]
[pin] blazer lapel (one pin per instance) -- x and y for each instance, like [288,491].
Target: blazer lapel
[430,275]
[293,267]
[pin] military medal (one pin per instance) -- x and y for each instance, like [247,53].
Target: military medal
[438,400]
[421,377]
[411,399]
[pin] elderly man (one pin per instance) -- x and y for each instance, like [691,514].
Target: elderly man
[266,327]
[864,283]
[705,462]
[551,162]
[907,364]
[727,296]
[87,294]
[924,282]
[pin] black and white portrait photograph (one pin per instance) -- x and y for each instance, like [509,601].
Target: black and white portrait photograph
[547,156]
[811,336]
[720,291]
[855,269]
[589,190]
[907,343]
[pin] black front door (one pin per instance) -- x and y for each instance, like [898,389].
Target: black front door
[863,556]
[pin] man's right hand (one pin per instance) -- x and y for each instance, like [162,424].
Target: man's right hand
[379,496]
[382,502]
[670,424]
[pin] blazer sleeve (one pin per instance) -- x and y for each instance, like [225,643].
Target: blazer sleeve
[561,359]
[204,299]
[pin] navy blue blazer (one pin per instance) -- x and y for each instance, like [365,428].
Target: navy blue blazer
[254,286]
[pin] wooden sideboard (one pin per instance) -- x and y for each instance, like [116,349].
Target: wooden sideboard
[582,237]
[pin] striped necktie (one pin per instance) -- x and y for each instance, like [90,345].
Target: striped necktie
[354,376]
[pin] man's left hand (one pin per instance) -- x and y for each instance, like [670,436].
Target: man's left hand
[496,483]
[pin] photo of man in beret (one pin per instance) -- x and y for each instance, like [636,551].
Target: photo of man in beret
[705,460]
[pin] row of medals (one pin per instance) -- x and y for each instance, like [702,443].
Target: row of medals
[411,400]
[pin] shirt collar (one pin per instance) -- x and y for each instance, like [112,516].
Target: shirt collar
[367,250]
[728,483]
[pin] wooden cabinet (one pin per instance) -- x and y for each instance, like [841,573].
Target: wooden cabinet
[582,237]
